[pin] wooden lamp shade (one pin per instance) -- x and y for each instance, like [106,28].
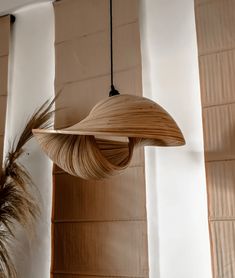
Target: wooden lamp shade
[88,149]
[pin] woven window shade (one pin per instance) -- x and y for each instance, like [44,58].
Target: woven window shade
[99,227]
[215,23]
[5,23]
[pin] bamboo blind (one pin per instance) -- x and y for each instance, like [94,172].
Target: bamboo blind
[99,227]
[5,23]
[215,21]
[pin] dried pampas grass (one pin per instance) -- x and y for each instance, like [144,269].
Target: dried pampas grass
[17,201]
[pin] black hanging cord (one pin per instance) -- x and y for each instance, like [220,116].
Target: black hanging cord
[113,91]
[111,38]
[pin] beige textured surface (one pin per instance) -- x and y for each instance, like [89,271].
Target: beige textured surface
[4,35]
[3,74]
[1,146]
[220,90]
[215,26]
[219,132]
[128,81]
[80,22]
[73,275]
[98,249]
[3,103]
[100,227]
[221,190]
[4,51]
[90,54]
[223,238]
[215,20]
[125,192]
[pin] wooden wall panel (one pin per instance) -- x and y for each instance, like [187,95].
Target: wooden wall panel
[223,251]
[215,21]
[3,75]
[1,147]
[218,132]
[5,23]
[3,103]
[99,227]
[91,61]
[125,191]
[129,81]
[215,26]
[80,22]
[221,175]
[83,276]
[99,250]
[4,35]
[219,90]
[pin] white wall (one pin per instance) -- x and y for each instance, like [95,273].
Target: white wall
[9,6]
[31,82]
[176,187]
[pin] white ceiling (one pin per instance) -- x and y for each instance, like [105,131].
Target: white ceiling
[9,6]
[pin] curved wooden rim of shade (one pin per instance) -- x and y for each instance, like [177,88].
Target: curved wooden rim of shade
[127,116]
[88,150]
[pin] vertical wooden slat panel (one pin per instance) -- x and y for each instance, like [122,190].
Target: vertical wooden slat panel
[223,237]
[4,53]
[221,175]
[4,35]
[219,132]
[215,26]
[129,81]
[99,250]
[3,102]
[88,13]
[3,75]
[125,192]
[89,55]
[219,90]
[99,227]
[215,20]
[1,147]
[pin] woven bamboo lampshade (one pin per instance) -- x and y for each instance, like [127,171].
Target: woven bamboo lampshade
[88,150]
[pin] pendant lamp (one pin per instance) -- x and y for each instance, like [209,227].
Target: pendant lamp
[102,144]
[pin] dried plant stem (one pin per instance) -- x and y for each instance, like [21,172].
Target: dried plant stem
[17,201]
